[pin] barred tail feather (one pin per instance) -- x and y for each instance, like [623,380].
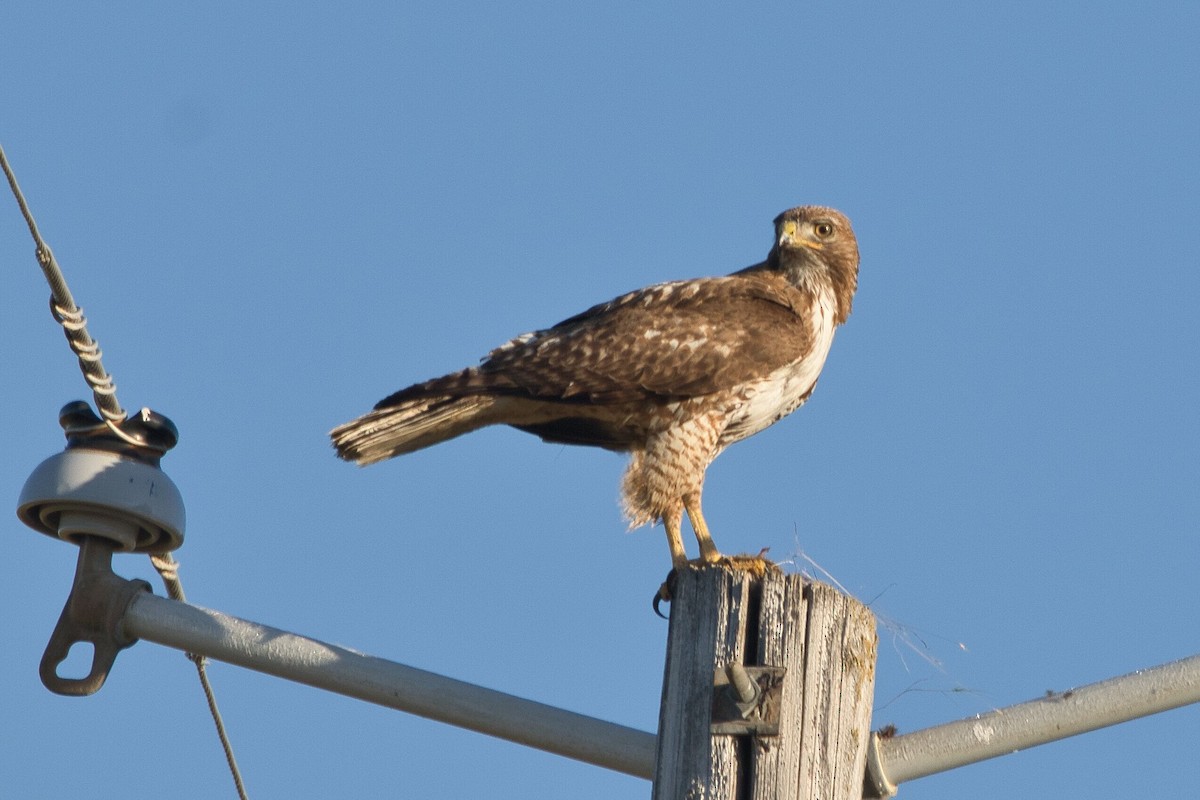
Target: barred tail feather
[410,425]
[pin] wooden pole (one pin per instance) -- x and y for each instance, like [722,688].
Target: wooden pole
[820,705]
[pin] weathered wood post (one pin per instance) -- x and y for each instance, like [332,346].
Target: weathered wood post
[797,733]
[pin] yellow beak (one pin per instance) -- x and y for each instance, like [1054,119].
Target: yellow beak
[789,235]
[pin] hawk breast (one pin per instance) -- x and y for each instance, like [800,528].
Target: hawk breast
[766,400]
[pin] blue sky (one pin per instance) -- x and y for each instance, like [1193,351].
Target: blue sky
[275,215]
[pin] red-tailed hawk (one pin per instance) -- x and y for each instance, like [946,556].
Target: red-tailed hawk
[673,373]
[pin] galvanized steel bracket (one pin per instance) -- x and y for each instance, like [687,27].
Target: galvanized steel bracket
[746,700]
[92,614]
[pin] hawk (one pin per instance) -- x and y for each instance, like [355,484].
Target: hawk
[672,374]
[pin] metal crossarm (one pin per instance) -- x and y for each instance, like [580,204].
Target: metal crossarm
[1056,716]
[376,680]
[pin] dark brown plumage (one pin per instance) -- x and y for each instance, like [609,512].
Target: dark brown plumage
[672,373]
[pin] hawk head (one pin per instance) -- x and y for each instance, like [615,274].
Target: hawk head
[815,246]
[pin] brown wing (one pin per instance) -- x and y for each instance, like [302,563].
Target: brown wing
[678,339]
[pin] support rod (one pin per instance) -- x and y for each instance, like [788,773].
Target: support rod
[1047,719]
[336,669]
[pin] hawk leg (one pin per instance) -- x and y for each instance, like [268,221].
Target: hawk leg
[757,565]
[673,522]
[708,551]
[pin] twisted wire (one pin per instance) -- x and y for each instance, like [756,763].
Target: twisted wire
[67,313]
[168,569]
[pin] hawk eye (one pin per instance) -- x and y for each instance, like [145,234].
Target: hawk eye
[823,229]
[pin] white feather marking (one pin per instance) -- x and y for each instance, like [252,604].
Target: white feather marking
[514,342]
